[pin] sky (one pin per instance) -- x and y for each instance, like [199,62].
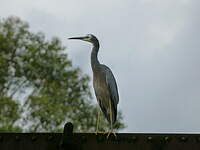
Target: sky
[152,47]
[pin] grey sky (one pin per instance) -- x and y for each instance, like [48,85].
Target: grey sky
[152,46]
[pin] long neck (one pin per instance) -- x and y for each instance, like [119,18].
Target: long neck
[94,57]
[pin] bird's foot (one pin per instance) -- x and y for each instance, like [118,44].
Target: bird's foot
[109,133]
[99,132]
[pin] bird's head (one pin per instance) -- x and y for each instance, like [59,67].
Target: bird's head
[89,38]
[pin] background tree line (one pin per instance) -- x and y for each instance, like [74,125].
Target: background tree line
[40,90]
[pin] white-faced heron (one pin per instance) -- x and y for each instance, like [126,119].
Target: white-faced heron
[104,84]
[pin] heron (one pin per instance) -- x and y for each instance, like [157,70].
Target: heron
[104,84]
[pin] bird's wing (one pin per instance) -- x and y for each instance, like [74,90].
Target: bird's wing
[112,86]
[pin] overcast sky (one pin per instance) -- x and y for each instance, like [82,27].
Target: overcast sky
[152,47]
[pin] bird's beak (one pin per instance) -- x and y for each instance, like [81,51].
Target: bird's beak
[77,38]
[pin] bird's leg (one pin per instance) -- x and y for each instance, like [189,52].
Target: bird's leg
[98,120]
[111,123]
[98,117]
[111,132]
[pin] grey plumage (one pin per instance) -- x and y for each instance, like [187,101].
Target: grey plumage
[104,83]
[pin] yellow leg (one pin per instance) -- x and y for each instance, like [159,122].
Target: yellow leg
[98,118]
[111,122]
[110,115]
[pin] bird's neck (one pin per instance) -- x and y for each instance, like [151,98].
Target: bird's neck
[94,56]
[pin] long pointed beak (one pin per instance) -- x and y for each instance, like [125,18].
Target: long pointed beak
[76,38]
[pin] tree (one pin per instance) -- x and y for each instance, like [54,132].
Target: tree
[9,114]
[40,85]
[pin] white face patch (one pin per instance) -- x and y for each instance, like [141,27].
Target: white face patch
[89,37]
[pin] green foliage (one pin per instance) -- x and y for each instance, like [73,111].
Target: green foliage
[9,114]
[38,73]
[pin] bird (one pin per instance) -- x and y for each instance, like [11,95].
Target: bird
[104,83]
